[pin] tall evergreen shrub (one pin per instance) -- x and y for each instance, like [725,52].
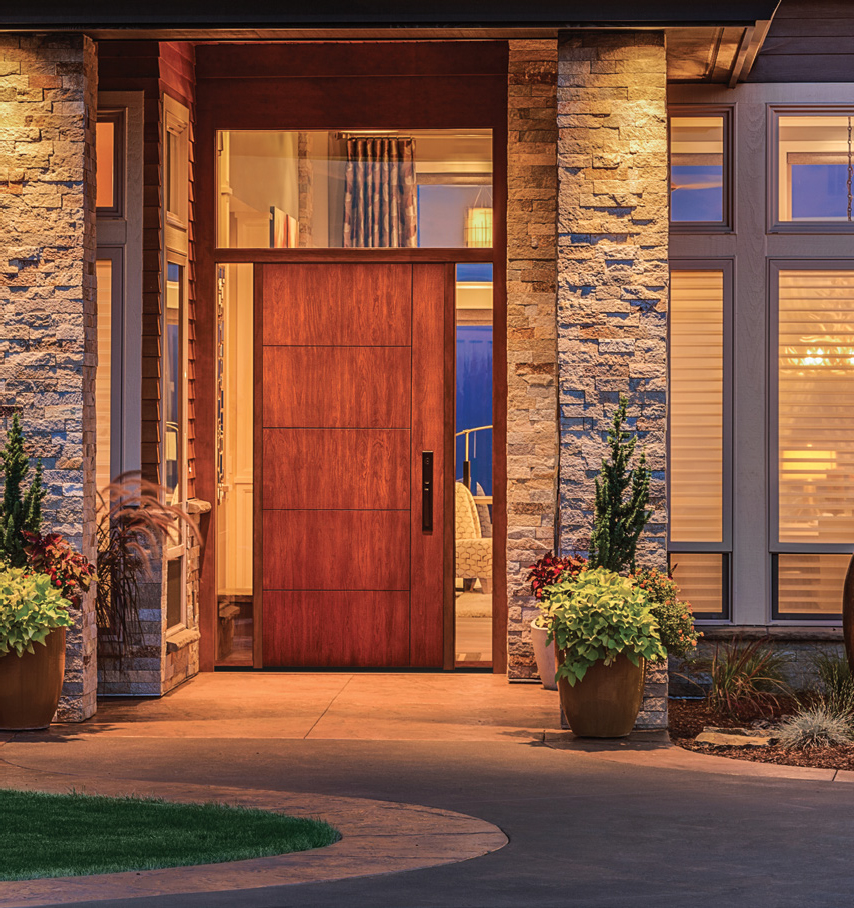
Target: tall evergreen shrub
[622,496]
[20,511]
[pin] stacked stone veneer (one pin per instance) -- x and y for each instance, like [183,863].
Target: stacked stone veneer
[48,349]
[532,439]
[612,275]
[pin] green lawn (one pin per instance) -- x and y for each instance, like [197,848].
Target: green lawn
[44,835]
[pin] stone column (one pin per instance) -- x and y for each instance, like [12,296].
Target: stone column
[48,108]
[613,276]
[531,332]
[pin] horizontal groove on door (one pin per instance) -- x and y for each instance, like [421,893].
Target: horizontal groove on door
[336,550]
[314,304]
[336,468]
[346,387]
[336,628]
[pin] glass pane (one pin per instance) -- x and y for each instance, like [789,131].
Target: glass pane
[173,384]
[362,188]
[696,406]
[702,580]
[174,592]
[810,584]
[103,384]
[814,161]
[696,169]
[473,487]
[234,464]
[105,139]
[816,406]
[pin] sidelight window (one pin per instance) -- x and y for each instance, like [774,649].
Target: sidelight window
[354,188]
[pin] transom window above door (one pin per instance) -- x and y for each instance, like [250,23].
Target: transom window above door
[354,188]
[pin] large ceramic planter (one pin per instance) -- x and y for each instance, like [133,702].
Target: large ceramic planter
[30,685]
[606,702]
[545,657]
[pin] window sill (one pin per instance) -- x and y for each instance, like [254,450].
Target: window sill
[775,632]
[178,637]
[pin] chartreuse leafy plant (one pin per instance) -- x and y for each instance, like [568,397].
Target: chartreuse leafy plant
[30,608]
[598,616]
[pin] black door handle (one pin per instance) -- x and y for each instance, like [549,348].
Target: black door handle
[427,491]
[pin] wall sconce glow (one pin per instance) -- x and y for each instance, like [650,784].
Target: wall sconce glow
[478,227]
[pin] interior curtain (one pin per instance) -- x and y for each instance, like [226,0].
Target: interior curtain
[380,207]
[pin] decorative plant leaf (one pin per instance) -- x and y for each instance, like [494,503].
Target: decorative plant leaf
[30,608]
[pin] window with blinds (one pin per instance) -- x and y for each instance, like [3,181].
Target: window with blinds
[696,406]
[809,585]
[702,581]
[815,407]
[698,438]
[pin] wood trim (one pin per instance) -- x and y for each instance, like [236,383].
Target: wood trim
[258,471]
[205,390]
[499,398]
[450,394]
[352,256]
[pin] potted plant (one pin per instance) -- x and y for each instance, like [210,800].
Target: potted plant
[542,574]
[604,631]
[41,577]
[601,622]
[33,619]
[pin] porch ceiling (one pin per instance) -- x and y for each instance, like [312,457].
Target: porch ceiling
[265,15]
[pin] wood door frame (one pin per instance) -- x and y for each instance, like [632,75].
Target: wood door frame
[431,85]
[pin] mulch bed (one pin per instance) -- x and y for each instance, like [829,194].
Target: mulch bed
[689,717]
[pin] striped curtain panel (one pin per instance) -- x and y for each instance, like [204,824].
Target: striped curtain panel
[380,207]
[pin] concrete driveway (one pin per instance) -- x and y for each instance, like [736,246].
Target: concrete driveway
[626,824]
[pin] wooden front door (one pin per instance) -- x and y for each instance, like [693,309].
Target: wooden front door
[350,388]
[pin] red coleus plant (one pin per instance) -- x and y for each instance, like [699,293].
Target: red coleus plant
[549,569]
[69,571]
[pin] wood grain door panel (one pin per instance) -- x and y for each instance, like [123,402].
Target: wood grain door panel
[336,468]
[358,305]
[336,550]
[342,628]
[337,387]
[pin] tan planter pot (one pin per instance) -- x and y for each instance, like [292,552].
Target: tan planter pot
[30,685]
[544,656]
[606,702]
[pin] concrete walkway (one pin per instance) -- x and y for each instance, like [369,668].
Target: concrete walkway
[635,822]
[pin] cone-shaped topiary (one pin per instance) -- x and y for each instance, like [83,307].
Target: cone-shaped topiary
[18,513]
[619,519]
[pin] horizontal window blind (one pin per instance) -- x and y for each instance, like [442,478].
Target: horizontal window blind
[810,584]
[815,407]
[696,406]
[700,578]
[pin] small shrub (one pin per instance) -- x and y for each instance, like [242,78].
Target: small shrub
[19,512]
[549,569]
[675,617]
[836,686]
[815,726]
[622,495]
[746,677]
